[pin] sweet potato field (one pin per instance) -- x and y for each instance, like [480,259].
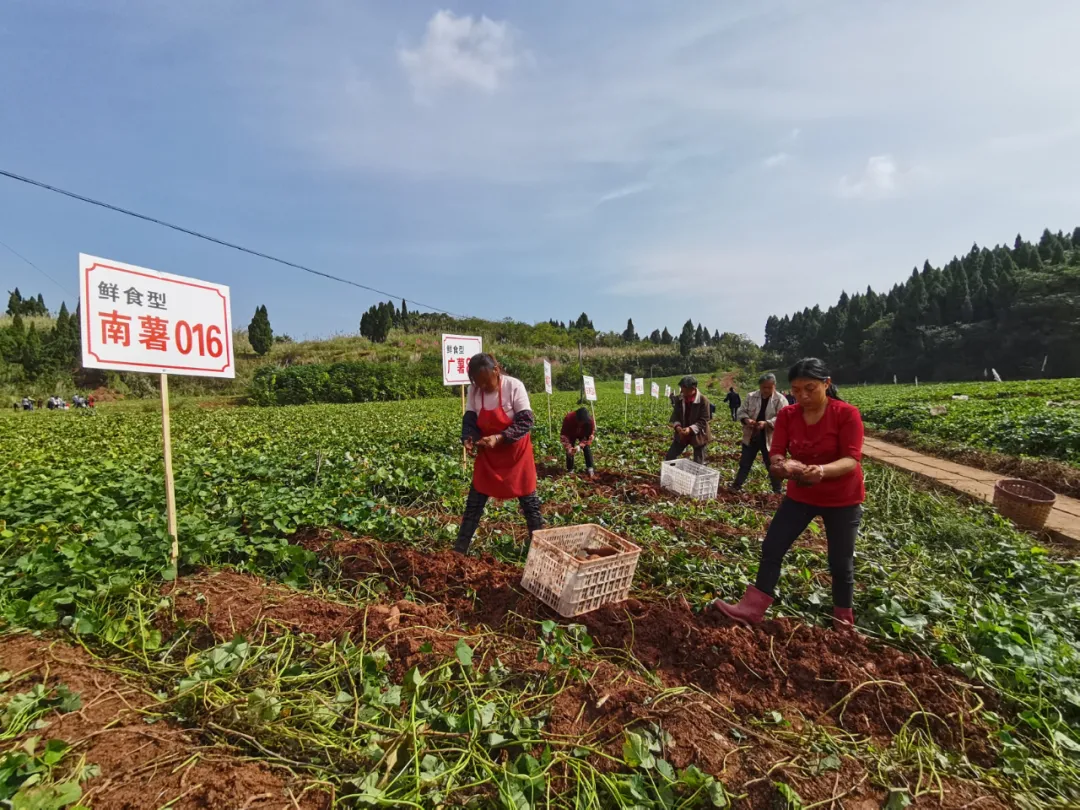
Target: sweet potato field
[321,647]
[1038,418]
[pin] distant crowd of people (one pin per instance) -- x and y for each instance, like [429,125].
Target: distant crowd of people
[53,403]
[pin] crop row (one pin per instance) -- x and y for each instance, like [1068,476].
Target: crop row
[1039,419]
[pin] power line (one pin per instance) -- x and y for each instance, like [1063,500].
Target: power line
[215,240]
[50,278]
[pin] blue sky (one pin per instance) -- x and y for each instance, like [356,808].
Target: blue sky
[659,160]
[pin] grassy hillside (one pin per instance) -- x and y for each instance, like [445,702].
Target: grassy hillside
[521,347]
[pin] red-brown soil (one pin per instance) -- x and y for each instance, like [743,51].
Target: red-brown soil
[821,675]
[217,605]
[226,603]
[780,664]
[143,766]
[713,729]
[476,590]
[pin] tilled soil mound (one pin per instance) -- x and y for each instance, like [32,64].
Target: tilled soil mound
[805,672]
[226,603]
[217,605]
[143,767]
[838,678]
[476,590]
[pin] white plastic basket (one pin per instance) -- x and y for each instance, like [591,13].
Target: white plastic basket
[572,586]
[689,478]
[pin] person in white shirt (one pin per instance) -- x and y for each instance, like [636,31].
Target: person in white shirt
[496,427]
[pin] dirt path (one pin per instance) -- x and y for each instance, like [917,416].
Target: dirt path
[1064,522]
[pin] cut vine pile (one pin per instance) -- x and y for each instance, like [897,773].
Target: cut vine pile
[320,645]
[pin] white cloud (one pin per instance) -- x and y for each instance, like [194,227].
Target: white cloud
[669,272]
[878,179]
[773,161]
[473,52]
[624,191]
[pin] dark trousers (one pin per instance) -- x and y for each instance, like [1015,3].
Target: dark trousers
[746,462]
[474,510]
[677,449]
[734,413]
[841,529]
[587,452]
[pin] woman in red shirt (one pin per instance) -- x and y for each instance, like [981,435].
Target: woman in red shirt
[824,437]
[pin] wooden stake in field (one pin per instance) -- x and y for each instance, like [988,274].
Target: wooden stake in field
[170,490]
[464,454]
[195,339]
[547,390]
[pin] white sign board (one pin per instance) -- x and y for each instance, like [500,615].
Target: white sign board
[136,319]
[590,389]
[639,386]
[457,350]
[626,384]
[547,377]
[667,390]
[656,390]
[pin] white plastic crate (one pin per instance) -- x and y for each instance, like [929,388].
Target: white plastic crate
[689,478]
[572,586]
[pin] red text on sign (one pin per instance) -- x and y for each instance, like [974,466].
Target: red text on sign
[204,339]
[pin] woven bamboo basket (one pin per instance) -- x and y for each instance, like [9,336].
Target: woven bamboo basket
[1023,502]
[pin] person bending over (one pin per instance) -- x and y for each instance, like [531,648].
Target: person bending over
[690,421]
[578,432]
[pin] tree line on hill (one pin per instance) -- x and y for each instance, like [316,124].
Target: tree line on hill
[376,323]
[1015,309]
[32,307]
[29,353]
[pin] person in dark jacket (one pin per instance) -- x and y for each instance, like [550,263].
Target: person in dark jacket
[690,421]
[578,432]
[734,401]
[496,427]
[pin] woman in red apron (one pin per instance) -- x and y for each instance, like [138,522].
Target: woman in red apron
[496,425]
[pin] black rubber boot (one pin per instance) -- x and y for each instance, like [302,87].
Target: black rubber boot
[534,520]
[465,536]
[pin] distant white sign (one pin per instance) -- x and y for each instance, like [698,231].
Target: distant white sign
[547,377]
[457,350]
[590,388]
[667,390]
[656,390]
[626,384]
[639,386]
[137,319]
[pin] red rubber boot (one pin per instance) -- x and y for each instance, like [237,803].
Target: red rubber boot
[751,608]
[843,620]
